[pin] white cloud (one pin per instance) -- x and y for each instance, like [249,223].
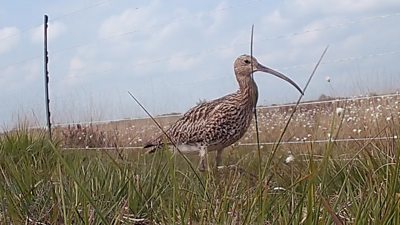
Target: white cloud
[9,38]
[180,62]
[310,34]
[152,27]
[5,77]
[132,21]
[218,18]
[341,6]
[16,76]
[77,72]
[55,30]
[32,70]
[275,18]
[76,65]
[152,42]
[86,66]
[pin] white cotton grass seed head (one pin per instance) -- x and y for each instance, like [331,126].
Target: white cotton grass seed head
[289,159]
[339,111]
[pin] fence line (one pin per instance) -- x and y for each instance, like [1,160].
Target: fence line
[333,100]
[325,141]
[265,143]
[259,108]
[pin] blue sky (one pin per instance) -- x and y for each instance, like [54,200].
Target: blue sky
[170,54]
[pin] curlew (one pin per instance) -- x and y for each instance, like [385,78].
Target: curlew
[214,125]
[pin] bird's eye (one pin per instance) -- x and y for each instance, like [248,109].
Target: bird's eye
[246,61]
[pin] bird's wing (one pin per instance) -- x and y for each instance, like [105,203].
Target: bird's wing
[191,127]
[227,124]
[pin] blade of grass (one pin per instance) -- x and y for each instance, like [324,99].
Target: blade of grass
[77,180]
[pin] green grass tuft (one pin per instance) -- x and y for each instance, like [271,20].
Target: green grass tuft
[40,182]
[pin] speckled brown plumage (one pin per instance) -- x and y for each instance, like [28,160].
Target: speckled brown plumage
[214,125]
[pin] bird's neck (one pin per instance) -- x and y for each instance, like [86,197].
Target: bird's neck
[248,90]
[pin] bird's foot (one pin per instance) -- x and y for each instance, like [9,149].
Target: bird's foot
[202,169]
[203,166]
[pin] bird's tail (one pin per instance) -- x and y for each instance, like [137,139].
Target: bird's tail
[153,145]
[151,148]
[156,144]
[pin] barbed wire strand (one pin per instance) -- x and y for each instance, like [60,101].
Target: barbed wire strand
[386,138]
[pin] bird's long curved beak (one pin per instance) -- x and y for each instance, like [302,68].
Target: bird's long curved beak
[265,69]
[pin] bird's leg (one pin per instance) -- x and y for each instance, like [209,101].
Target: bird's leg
[218,158]
[203,164]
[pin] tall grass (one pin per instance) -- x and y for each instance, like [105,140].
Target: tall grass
[332,183]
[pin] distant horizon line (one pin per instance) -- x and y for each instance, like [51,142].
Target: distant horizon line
[178,114]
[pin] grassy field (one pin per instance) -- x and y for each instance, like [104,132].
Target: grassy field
[332,182]
[364,117]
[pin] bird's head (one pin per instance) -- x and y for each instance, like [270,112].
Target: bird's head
[245,65]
